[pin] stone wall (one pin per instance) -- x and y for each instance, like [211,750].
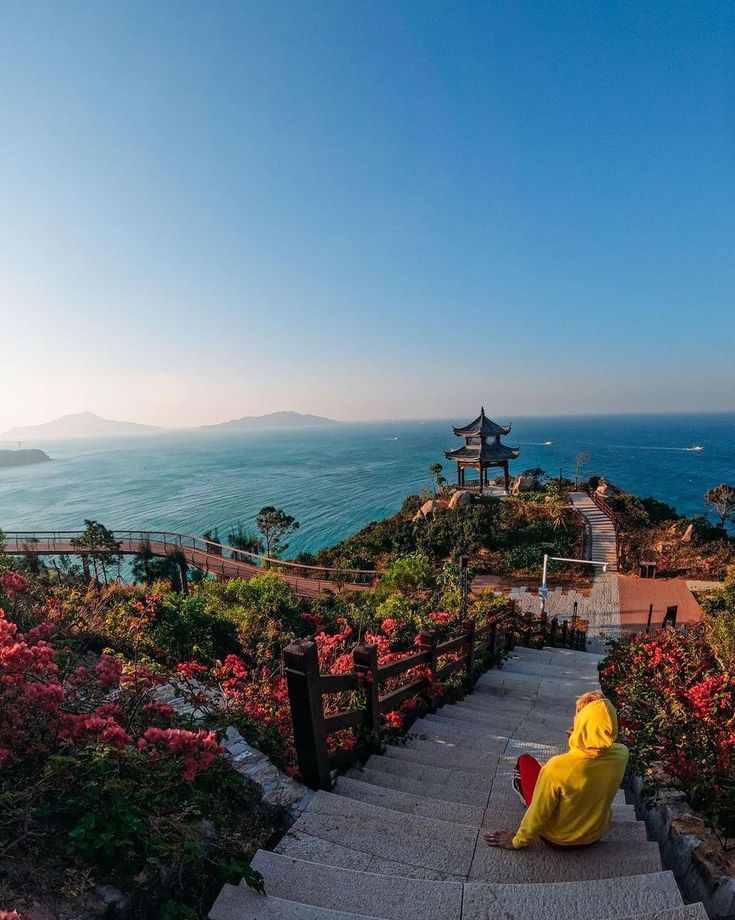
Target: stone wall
[704,869]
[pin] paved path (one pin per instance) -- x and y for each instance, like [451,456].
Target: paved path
[603,541]
[402,838]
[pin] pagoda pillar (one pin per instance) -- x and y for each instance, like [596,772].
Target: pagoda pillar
[507,480]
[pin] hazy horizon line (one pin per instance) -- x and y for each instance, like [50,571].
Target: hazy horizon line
[378,420]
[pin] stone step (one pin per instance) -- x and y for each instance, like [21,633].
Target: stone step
[397,898]
[315,849]
[603,899]
[371,794]
[238,903]
[485,724]
[493,706]
[686,912]
[443,755]
[454,777]
[606,859]
[484,713]
[411,839]
[448,733]
[437,790]
[391,897]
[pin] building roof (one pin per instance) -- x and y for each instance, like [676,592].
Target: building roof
[482,426]
[487,453]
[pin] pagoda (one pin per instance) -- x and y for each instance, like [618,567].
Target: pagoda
[482,449]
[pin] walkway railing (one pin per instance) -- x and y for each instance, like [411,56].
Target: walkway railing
[206,554]
[307,687]
[602,505]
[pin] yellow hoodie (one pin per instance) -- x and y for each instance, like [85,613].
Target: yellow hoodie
[574,791]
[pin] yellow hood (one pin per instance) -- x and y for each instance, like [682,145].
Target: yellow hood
[595,729]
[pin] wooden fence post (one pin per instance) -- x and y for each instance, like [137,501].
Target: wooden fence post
[564,627]
[301,664]
[366,668]
[509,638]
[428,641]
[527,631]
[468,628]
[552,632]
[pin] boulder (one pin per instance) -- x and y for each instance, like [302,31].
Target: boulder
[461,497]
[687,537]
[523,483]
[605,487]
[425,511]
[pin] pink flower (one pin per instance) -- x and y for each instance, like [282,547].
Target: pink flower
[108,670]
[13,584]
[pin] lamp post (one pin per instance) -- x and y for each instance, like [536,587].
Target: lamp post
[543,591]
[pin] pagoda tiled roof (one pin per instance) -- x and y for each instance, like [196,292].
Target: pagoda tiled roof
[482,426]
[487,453]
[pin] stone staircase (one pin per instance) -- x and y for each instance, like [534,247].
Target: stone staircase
[401,839]
[603,544]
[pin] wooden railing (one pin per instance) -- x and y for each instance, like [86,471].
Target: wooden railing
[307,687]
[602,505]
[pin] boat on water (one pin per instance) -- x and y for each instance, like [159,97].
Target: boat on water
[548,443]
[696,447]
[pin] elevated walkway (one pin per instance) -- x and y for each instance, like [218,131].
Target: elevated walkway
[214,558]
[401,839]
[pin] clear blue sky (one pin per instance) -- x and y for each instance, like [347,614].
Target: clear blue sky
[366,209]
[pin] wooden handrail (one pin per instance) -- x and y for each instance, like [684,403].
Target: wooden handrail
[306,686]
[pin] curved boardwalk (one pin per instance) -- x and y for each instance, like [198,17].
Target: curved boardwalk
[223,563]
[401,839]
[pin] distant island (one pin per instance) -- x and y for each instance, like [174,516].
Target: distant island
[90,425]
[22,457]
[78,425]
[271,421]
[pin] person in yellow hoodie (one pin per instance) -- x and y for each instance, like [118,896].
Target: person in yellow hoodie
[569,799]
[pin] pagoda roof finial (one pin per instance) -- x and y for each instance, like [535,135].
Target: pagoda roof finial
[482,426]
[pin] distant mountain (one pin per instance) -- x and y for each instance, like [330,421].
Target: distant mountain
[79,425]
[22,457]
[271,421]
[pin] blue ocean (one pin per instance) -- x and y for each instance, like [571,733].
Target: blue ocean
[335,480]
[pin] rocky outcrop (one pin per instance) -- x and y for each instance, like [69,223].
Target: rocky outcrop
[460,498]
[425,511]
[22,457]
[523,483]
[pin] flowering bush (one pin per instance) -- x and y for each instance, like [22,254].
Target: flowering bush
[676,704]
[89,759]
